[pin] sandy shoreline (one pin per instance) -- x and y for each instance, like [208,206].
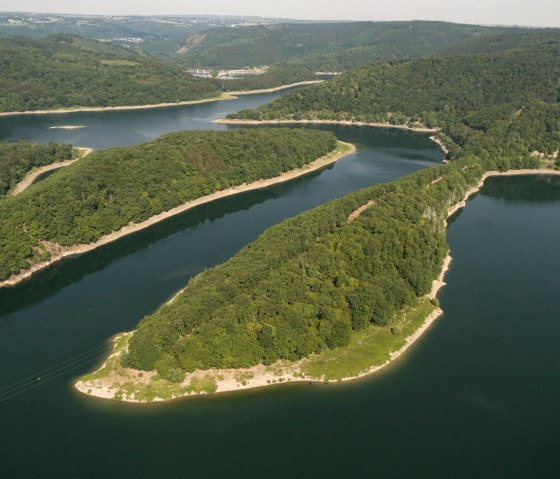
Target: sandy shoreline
[274,89]
[67,127]
[229,380]
[34,174]
[440,143]
[224,96]
[231,95]
[225,121]
[65,252]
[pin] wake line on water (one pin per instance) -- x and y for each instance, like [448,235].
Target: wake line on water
[44,376]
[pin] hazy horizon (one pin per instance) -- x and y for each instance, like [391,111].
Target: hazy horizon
[538,13]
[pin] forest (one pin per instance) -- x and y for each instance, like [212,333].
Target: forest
[18,159]
[66,71]
[295,52]
[111,188]
[434,90]
[307,284]
[324,45]
[513,95]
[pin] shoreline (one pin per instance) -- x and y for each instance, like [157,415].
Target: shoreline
[222,97]
[75,250]
[227,95]
[225,121]
[34,174]
[274,89]
[231,380]
[67,127]
[441,144]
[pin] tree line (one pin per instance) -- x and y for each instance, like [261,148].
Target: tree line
[66,71]
[309,283]
[18,159]
[111,188]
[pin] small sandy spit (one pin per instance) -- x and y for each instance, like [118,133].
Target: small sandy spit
[227,121]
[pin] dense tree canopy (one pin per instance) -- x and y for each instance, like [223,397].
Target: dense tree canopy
[65,71]
[111,188]
[308,283]
[296,51]
[435,90]
[320,46]
[17,159]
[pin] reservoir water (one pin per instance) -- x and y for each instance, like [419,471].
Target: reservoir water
[477,396]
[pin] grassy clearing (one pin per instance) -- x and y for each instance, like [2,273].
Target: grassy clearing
[206,384]
[341,149]
[368,348]
[112,366]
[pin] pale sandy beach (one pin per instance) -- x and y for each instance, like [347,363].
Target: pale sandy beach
[224,96]
[228,380]
[59,252]
[34,174]
[67,127]
[226,121]
[275,89]
[440,143]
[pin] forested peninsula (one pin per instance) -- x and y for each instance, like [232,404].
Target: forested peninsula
[68,72]
[119,190]
[18,159]
[303,300]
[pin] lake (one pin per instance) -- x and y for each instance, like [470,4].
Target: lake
[477,396]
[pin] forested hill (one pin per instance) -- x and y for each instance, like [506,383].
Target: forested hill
[500,42]
[308,284]
[109,189]
[66,71]
[17,159]
[333,46]
[426,89]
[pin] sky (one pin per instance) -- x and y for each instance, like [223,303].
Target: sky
[502,12]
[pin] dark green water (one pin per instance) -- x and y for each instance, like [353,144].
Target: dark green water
[476,397]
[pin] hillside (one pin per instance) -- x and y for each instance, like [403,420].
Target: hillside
[64,71]
[311,283]
[501,42]
[18,159]
[323,47]
[113,188]
[465,96]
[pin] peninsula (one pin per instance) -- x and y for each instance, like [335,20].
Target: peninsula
[301,299]
[127,195]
